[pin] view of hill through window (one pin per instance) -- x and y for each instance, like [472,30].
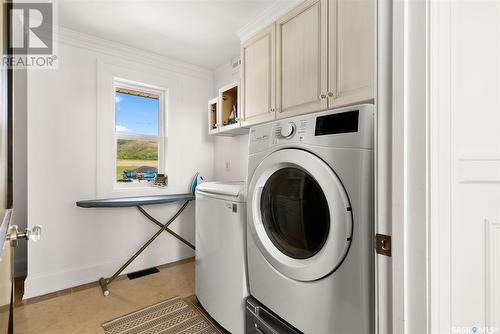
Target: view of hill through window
[137,136]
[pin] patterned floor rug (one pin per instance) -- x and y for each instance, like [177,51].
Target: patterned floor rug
[173,316]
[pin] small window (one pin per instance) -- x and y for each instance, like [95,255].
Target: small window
[138,135]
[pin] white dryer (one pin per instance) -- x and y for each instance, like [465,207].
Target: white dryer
[310,220]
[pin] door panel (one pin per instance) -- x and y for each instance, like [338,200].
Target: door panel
[352,51]
[258,57]
[6,275]
[6,252]
[5,288]
[302,60]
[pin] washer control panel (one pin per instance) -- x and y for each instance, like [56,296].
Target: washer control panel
[349,127]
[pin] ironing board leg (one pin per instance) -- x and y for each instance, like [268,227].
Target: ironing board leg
[104,282]
[104,286]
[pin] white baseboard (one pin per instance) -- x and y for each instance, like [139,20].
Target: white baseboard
[41,285]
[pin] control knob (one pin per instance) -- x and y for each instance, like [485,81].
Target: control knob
[287,130]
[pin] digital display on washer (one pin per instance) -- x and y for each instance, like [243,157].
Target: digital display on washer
[337,123]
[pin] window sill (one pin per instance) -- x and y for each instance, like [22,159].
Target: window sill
[120,190]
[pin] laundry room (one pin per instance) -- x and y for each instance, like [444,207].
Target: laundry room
[249,166]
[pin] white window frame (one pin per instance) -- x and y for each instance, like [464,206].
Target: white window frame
[162,130]
[109,71]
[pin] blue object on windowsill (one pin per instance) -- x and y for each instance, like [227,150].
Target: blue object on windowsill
[196,181]
[128,175]
[149,176]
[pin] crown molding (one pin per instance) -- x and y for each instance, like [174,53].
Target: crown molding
[266,17]
[115,49]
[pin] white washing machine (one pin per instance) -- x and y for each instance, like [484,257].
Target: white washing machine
[310,221]
[221,279]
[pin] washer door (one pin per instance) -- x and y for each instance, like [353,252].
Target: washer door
[300,214]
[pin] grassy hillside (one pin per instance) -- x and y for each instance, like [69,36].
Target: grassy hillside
[132,149]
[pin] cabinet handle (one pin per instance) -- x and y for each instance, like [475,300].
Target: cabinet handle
[322,96]
[271,110]
[330,94]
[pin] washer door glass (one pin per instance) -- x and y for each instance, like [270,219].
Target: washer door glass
[295,213]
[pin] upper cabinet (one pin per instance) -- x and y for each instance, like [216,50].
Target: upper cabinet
[321,55]
[258,70]
[351,52]
[302,59]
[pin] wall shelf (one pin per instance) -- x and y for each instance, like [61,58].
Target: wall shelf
[223,112]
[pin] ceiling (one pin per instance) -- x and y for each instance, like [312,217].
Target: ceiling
[200,32]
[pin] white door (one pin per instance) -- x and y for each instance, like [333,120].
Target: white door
[351,63]
[290,187]
[258,73]
[465,167]
[6,251]
[301,55]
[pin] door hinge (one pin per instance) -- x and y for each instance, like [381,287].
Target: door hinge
[383,244]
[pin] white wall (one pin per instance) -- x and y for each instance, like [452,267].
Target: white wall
[229,151]
[81,245]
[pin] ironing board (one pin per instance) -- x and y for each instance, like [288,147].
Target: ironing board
[139,202]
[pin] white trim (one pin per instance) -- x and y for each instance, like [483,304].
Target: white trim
[409,167]
[397,170]
[266,17]
[440,187]
[114,49]
[382,165]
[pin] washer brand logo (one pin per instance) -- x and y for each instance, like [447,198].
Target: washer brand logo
[31,35]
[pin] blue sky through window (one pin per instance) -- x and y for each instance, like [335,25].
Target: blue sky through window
[136,114]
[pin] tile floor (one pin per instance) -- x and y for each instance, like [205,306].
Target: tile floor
[84,309]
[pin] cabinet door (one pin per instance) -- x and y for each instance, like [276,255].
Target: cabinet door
[352,51]
[302,59]
[258,84]
[213,114]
